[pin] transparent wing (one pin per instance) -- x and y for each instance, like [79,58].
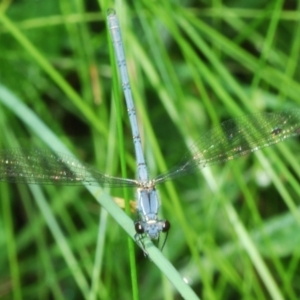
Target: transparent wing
[235,138]
[37,166]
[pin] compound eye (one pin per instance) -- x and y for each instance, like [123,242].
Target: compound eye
[166,226]
[139,228]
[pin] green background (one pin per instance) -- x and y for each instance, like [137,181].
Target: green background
[192,64]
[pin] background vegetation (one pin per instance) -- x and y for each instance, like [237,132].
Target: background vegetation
[192,64]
